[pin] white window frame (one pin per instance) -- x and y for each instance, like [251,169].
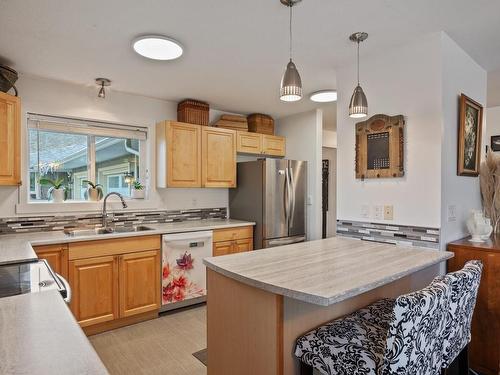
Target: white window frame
[90,128]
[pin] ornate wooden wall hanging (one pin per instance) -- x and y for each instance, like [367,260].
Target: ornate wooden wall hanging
[380,147]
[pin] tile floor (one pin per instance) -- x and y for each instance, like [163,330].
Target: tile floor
[160,346]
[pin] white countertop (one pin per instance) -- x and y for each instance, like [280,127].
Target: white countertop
[15,248]
[326,271]
[40,336]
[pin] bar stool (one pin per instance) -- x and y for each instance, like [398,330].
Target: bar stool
[417,333]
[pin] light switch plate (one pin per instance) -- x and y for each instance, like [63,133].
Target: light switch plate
[378,212]
[452,213]
[365,211]
[389,212]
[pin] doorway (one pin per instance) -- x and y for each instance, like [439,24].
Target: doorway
[329,192]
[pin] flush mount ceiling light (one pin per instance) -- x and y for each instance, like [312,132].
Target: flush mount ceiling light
[103,82]
[358,107]
[291,84]
[157,47]
[324,96]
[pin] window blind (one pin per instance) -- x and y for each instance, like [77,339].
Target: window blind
[86,127]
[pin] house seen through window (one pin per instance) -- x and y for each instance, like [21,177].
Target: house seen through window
[75,151]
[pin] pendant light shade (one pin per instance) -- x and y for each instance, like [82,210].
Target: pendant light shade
[291,84]
[358,106]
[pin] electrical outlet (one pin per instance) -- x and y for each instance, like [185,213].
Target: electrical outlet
[389,212]
[378,212]
[365,211]
[194,202]
[309,200]
[452,213]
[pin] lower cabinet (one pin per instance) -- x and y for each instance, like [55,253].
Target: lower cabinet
[119,288]
[94,283]
[232,240]
[56,256]
[139,283]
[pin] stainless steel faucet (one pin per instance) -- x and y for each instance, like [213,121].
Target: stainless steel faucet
[104,212]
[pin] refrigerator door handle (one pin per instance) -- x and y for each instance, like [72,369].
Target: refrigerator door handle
[292,198]
[287,198]
[286,241]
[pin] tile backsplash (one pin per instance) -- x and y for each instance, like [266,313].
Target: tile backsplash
[10,225]
[390,233]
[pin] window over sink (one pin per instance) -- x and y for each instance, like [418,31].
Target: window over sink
[74,151]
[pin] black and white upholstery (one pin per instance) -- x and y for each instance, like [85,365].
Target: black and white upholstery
[464,286]
[404,336]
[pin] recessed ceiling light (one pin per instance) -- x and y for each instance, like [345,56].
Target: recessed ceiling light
[324,96]
[157,47]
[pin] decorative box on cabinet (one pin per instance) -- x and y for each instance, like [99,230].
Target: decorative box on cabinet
[484,349]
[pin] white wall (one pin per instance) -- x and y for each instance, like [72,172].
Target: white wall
[304,137]
[51,97]
[492,123]
[329,138]
[461,74]
[402,81]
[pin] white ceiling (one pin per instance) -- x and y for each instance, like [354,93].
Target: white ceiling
[236,50]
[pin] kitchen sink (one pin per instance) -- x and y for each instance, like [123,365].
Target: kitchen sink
[109,230]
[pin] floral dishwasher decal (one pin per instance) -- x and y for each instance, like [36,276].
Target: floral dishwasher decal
[181,277]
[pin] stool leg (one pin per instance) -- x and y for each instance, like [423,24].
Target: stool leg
[463,361]
[305,369]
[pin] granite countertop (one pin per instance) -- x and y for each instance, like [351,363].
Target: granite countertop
[326,271]
[40,336]
[15,248]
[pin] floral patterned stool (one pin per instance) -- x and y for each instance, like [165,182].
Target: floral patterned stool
[418,333]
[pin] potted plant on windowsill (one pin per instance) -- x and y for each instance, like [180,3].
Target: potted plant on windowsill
[137,190]
[57,192]
[93,192]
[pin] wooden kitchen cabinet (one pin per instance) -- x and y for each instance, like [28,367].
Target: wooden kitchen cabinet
[139,282]
[260,144]
[273,145]
[115,282]
[218,157]
[484,348]
[56,256]
[232,240]
[10,140]
[94,283]
[178,154]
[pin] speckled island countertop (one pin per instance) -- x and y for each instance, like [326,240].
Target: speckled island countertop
[40,336]
[326,271]
[16,248]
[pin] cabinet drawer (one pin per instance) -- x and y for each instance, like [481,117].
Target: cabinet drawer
[222,248]
[230,234]
[249,143]
[118,246]
[273,145]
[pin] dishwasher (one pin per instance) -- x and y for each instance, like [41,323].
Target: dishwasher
[183,272]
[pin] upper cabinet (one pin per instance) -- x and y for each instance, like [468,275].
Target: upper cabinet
[191,155]
[218,149]
[260,144]
[178,154]
[10,126]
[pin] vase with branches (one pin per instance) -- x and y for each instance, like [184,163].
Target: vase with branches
[489,178]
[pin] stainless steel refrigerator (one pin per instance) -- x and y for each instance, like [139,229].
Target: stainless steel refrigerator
[272,193]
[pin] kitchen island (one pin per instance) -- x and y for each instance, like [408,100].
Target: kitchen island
[260,302]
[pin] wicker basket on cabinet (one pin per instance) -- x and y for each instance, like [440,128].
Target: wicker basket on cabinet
[259,123]
[193,112]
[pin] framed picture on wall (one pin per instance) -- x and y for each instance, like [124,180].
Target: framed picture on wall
[469,136]
[495,143]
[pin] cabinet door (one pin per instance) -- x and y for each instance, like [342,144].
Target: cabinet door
[249,143]
[94,283]
[56,256]
[139,282]
[273,145]
[218,157]
[183,155]
[10,123]
[241,246]
[222,248]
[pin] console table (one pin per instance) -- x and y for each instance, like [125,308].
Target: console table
[484,350]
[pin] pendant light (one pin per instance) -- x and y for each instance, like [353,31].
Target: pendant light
[358,107]
[291,84]
[103,82]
